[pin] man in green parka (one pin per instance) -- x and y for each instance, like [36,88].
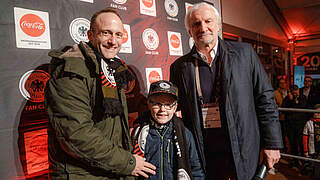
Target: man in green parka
[88,133]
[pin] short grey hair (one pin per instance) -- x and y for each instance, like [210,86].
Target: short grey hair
[196,7]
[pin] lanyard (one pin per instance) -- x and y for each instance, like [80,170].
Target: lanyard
[198,81]
[216,81]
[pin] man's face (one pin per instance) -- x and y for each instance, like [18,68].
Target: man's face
[203,27]
[107,34]
[282,84]
[162,107]
[307,82]
[295,93]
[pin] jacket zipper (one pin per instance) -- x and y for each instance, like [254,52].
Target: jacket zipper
[161,149]
[168,150]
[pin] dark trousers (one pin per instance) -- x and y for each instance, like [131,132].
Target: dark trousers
[295,138]
[220,166]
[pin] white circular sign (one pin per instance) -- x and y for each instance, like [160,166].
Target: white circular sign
[171,7]
[150,39]
[78,29]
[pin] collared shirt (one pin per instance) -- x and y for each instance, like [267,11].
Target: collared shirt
[213,54]
[207,74]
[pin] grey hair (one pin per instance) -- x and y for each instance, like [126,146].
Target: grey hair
[198,6]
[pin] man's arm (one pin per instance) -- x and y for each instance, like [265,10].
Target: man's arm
[267,112]
[68,104]
[195,163]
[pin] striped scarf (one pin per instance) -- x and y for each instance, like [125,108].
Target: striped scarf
[114,78]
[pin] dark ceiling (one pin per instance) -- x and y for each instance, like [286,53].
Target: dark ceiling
[299,19]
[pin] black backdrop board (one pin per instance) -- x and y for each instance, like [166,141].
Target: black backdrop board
[30,28]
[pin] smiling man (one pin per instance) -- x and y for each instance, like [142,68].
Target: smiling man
[227,98]
[88,133]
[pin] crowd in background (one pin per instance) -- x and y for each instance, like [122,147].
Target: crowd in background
[300,130]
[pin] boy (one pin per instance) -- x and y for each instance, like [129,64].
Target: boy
[311,135]
[162,139]
[311,141]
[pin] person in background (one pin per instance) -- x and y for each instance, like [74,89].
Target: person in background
[312,94]
[281,92]
[226,100]
[88,132]
[279,95]
[311,140]
[162,139]
[296,121]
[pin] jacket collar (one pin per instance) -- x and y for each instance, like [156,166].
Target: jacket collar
[72,55]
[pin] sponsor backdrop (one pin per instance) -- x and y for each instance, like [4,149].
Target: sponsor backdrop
[154,37]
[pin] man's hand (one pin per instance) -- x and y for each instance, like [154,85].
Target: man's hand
[272,157]
[143,168]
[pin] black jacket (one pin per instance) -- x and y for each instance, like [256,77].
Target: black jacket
[247,104]
[313,98]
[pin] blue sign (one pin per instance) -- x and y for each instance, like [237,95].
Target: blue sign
[298,76]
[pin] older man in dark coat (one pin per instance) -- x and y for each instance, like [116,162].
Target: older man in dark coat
[228,78]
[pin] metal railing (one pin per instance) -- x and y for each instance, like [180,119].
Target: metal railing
[306,111]
[299,110]
[300,157]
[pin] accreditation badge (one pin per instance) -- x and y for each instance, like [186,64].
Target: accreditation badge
[211,115]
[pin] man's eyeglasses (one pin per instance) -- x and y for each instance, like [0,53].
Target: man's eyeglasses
[159,105]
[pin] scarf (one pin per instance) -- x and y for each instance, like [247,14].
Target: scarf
[140,133]
[118,69]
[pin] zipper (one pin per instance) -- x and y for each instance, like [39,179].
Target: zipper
[168,150]
[161,150]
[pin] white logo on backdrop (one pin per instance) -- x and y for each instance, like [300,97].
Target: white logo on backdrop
[78,29]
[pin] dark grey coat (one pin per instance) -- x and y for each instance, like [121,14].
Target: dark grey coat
[247,105]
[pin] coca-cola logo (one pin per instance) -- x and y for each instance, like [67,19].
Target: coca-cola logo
[32,25]
[175,41]
[148,3]
[125,36]
[154,76]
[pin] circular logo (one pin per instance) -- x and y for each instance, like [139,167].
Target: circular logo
[174,41]
[32,25]
[108,72]
[164,85]
[150,39]
[120,1]
[171,7]
[148,3]
[154,76]
[78,29]
[183,175]
[142,139]
[32,85]
[191,42]
[125,36]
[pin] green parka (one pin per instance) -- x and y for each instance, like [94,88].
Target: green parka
[83,144]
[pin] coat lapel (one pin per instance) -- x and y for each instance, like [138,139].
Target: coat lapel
[227,57]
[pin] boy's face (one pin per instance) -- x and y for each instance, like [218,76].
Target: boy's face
[317,115]
[162,107]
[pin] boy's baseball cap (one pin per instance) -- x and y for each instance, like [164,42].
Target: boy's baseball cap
[163,86]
